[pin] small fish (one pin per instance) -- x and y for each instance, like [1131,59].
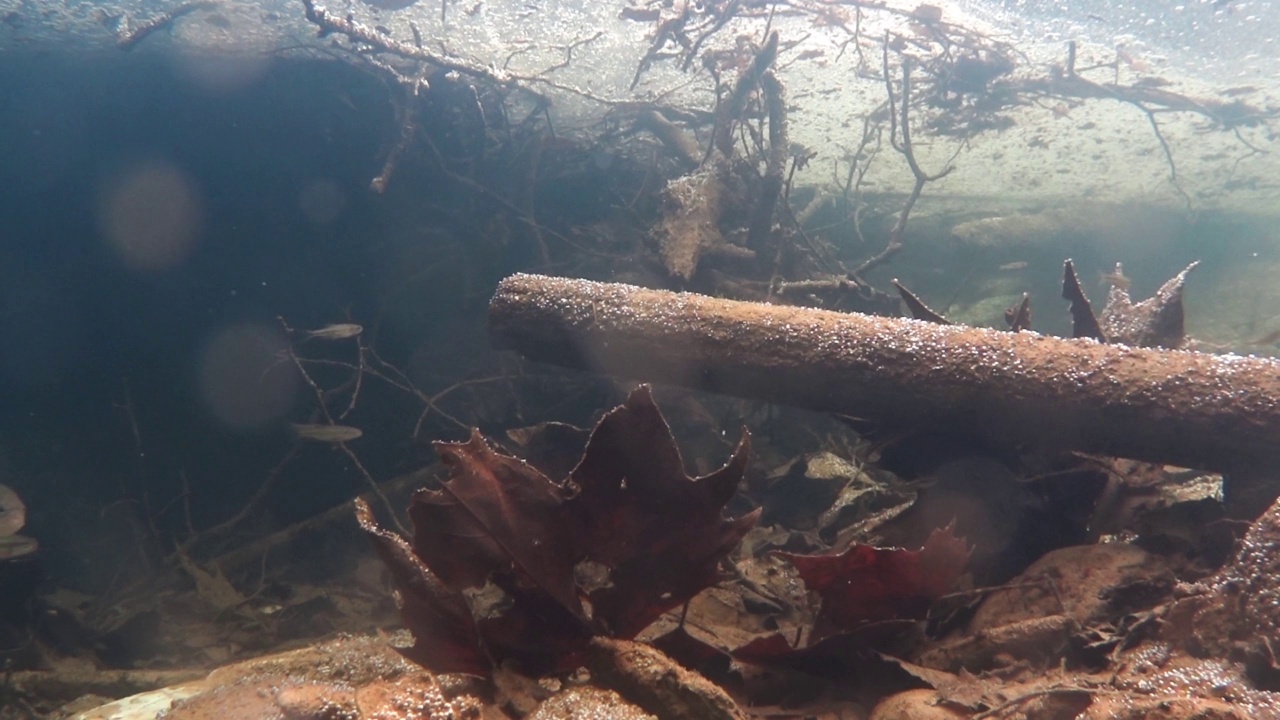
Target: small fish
[338,331]
[927,13]
[1240,90]
[326,433]
[1116,278]
[1011,266]
[13,514]
[390,4]
[15,546]
[1122,56]
[640,14]
[1270,338]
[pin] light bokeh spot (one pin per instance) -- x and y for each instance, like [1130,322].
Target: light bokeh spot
[322,201]
[245,380]
[152,216]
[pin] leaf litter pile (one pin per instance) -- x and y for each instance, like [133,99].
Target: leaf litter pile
[627,563]
[887,575]
[627,509]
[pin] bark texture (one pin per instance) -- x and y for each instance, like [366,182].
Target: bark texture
[1217,412]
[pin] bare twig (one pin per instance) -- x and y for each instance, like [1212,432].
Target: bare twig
[671,28]
[517,212]
[1168,154]
[127,39]
[408,117]
[323,409]
[1027,697]
[731,109]
[431,402]
[568,51]
[330,23]
[900,127]
[264,488]
[775,164]
[727,12]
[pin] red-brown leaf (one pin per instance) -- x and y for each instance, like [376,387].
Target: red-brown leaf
[659,531]
[444,633]
[628,506]
[536,631]
[866,583]
[842,656]
[496,513]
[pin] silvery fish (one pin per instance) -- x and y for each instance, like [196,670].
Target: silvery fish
[1270,338]
[326,433]
[339,331]
[15,546]
[13,514]
[1116,279]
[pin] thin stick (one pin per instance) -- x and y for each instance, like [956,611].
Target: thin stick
[324,411]
[128,39]
[901,125]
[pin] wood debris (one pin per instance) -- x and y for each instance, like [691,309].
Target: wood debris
[1184,408]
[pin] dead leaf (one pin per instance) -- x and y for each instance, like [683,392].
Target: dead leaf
[694,653]
[866,583]
[843,656]
[212,587]
[659,531]
[444,633]
[502,531]
[1157,321]
[1083,322]
[496,513]
[918,309]
[1018,317]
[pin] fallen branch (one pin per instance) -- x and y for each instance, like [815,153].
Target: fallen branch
[1185,408]
[329,23]
[730,111]
[408,121]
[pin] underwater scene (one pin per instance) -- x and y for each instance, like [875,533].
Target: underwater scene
[688,359]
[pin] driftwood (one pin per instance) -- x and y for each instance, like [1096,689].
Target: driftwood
[1216,412]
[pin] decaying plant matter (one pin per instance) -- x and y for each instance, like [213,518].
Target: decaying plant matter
[702,198]
[1190,409]
[726,221]
[722,192]
[1087,629]
[1084,631]
[130,35]
[505,565]
[627,508]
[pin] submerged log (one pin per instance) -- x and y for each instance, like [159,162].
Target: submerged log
[1215,412]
